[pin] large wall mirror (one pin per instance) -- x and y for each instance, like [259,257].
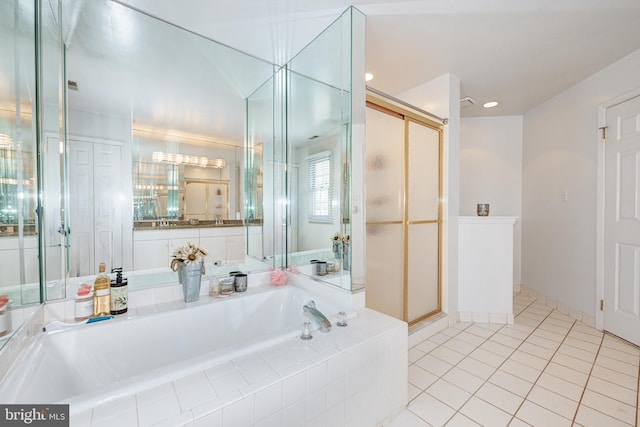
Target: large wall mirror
[156,124]
[304,172]
[152,136]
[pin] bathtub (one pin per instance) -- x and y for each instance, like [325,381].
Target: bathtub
[88,365]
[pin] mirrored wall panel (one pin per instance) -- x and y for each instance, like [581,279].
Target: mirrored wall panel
[155,142]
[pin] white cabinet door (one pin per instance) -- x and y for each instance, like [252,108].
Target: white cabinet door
[149,254]
[216,247]
[235,248]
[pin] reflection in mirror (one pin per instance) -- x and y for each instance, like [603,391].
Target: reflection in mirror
[22,123]
[149,102]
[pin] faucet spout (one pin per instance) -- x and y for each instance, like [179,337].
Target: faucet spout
[314,314]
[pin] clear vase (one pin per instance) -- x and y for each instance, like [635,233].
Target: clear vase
[336,250]
[190,277]
[346,256]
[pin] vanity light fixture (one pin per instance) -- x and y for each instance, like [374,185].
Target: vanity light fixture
[5,140]
[368,77]
[490,104]
[181,159]
[217,163]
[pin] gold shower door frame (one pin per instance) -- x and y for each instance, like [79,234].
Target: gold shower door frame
[408,117]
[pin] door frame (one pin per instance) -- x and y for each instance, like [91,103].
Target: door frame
[600,204]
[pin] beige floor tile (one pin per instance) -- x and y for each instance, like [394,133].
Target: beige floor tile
[463,379]
[460,420]
[415,354]
[448,393]
[427,345]
[447,355]
[434,365]
[584,336]
[571,375]
[431,410]
[485,413]
[611,407]
[477,368]
[581,327]
[616,365]
[470,338]
[529,360]
[578,353]
[628,381]
[632,359]
[460,346]
[420,378]
[480,331]
[618,344]
[560,386]
[536,415]
[543,342]
[553,401]
[497,348]
[499,397]
[543,363]
[558,330]
[487,357]
[589,417]
[614,391]
[584,345]
[412,391]
[572,362]
[510,382]
[525,372]
[550,335]
[504,339]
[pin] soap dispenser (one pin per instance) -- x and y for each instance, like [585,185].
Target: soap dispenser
[102,293]
[119,293]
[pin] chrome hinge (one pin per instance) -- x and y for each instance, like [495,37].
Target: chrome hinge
[601,304]
[603,129]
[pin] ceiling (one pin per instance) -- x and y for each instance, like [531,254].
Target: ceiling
[520,53]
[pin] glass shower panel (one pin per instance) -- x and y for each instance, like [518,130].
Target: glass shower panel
[384,167]
[385,268]
[385,230]
[18,141]
[423,295]
[424,172]
[423,188]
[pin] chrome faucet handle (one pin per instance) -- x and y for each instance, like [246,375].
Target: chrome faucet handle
[311,304]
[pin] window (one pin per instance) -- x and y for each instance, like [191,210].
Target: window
[320,189]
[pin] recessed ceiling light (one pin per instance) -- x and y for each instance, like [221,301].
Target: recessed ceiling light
[490,104]
[368,77]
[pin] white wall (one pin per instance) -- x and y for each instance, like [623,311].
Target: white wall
[441,96]
[491,172]
[560,153]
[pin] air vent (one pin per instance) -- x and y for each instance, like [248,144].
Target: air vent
[72,85]
[467,101]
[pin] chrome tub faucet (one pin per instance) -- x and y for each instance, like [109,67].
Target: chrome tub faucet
[314,314]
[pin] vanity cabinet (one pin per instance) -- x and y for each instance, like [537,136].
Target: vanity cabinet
[226,243]
[10,260]
[153,248]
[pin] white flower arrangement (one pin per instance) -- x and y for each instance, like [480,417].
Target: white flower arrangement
[186,255]
[346,238]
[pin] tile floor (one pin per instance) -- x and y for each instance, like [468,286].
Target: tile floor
[547,369]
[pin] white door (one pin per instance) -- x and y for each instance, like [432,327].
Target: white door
[622,221]
[97,208]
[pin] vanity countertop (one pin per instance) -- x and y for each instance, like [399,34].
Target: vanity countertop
[155,225]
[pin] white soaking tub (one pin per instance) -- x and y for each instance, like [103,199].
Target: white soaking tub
[88,365]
